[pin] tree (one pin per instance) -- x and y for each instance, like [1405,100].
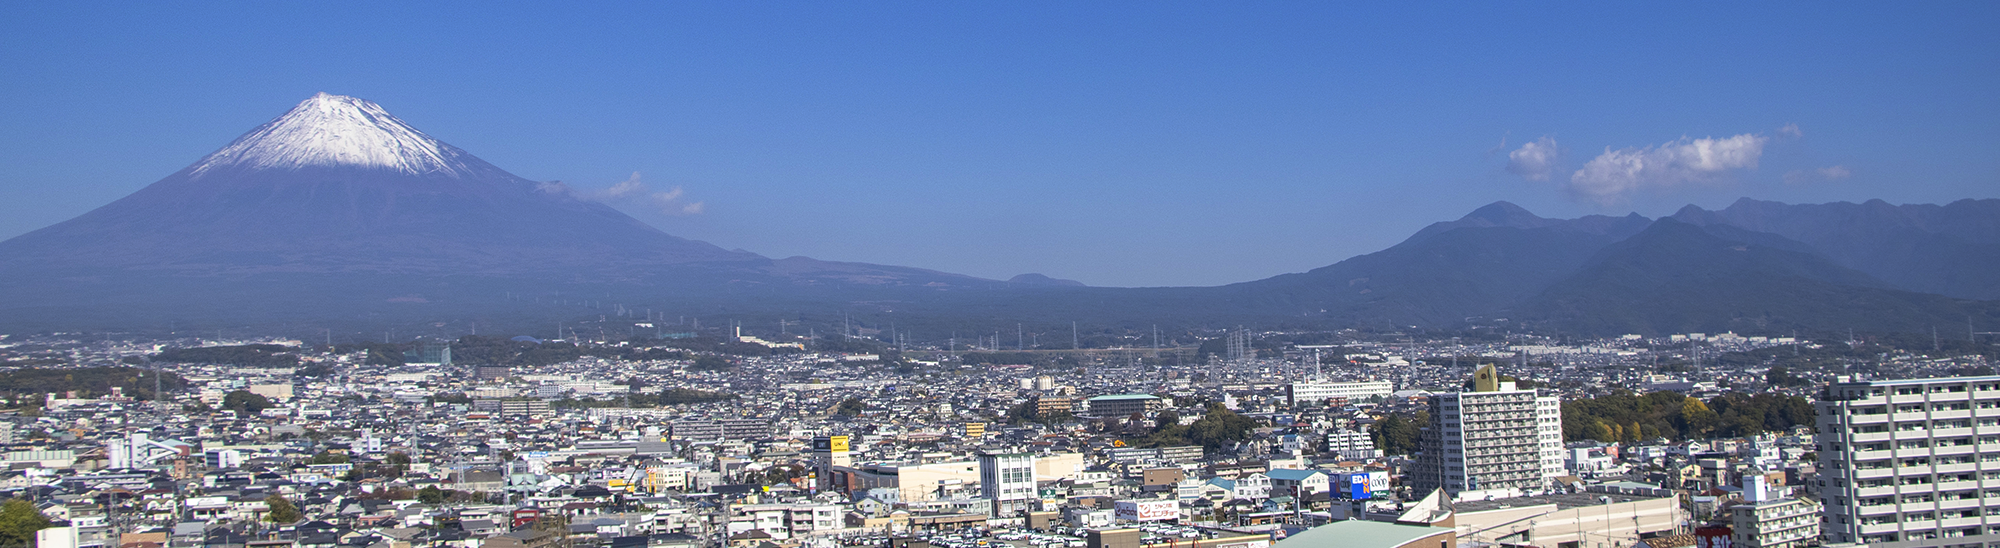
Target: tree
[1396,435]
[1781,377]
[282,510]
[850,407]
[430,494]
[1220,426]
[18,522]
[711,363]
[329,457]
[243,402]
[1696,418]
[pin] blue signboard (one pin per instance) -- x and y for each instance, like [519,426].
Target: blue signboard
[1357,487]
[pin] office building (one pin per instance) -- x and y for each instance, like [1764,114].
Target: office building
[1317,393]
[1121,405]
[1496,439]
[524,408]
[1009,480]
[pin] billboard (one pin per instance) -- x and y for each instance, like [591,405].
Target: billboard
[1147,510]
[1712,537]
[830,444]
[1360,485]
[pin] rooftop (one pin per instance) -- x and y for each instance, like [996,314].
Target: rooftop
[1562,501]
[1356,533]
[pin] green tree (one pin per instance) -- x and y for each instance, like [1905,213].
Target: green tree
[1602,432]
[1396,435]
[1778,376]
[430,494]
[282,510]
[1219,427]
[243,402]
[18,522]
[1696,418]
[329,457]
[850,407]
[711,363]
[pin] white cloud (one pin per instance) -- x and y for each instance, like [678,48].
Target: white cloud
[1791,130]
[1612,177]
[1534,161]
[633,191]
[1829,173]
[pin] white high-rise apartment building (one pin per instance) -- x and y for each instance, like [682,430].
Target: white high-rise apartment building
[1495,438]
[1909,463]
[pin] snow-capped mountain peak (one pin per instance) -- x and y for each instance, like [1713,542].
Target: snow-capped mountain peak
[336,130]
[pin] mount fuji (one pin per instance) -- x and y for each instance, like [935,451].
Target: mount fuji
[338,214]
[339,208]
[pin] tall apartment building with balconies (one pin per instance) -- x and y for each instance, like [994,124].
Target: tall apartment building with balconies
[1908,463]
[1496,438]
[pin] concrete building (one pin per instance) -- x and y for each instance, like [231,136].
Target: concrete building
[524,408]
[1120,405]
[1566,520]
[1913,462]
[1048,405]
[1009,480]
[1351,445]
[1780,523]
[1316,393]
[1495,440]
[1357,533]
[829,454]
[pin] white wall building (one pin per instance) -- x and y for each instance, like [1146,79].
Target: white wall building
[1495,439]
[1009,480]
[1909,463]
[1314,393]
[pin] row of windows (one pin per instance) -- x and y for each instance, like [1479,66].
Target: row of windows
[1960,441]
[1921,498]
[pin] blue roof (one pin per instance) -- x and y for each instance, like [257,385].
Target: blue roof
[1288,474]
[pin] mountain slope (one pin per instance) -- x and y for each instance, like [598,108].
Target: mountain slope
[1678,277]
[1952,250]
[337,207]
[1473,266]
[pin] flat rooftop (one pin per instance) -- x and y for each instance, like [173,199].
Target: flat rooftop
[1562,501]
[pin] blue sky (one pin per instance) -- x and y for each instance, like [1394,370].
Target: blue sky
[1113,143]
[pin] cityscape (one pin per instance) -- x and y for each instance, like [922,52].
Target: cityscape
[982,275]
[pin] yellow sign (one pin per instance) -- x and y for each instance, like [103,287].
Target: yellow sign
[837,444]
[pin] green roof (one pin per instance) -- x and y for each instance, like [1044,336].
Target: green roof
[1355,533]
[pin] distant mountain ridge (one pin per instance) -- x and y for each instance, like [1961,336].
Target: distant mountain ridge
[1951,250]
[337,212]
